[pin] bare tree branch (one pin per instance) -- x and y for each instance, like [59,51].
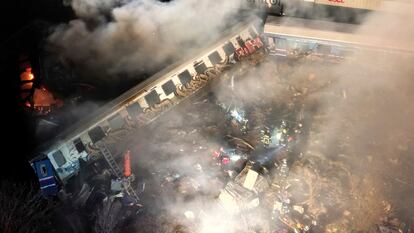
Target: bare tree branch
[23,209]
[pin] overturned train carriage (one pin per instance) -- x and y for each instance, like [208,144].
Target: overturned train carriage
[59,160]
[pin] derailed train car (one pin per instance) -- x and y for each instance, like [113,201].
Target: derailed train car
[323,40]
[57,161]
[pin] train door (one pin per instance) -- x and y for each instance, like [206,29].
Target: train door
[45,173]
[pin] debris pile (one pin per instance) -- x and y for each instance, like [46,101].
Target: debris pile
[261,153]
[250,156]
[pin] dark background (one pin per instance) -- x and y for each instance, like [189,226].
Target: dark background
[21,20]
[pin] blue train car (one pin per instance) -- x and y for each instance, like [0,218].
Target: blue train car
[47,177]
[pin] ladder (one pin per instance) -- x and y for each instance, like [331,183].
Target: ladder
[109,159]
[115,168]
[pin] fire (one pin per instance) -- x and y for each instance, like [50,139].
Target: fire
[27,75]
[43,98]
[43,101]
[26,86]
[26,79]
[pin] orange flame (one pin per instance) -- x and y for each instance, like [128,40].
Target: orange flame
[27,75]
[43,98]
[26,86]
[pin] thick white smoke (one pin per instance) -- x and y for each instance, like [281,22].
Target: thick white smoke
[139,35]
[371,123]
[359,151]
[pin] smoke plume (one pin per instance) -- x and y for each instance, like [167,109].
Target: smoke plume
[115,36]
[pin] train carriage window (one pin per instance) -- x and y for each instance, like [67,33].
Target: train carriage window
[252,33]
[280,43]
[116,122]
[96,134]
[214,57]
[323,49]
[271,42]
[200,67]
[228,48]
[292,44]
[185,77]
[240,41]
[304,46]
[152,98]
[59,158]
[134,110]
[80,147]
[312,46]
[168,87]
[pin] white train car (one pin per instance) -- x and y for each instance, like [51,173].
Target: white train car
[322,39]
[58,160]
